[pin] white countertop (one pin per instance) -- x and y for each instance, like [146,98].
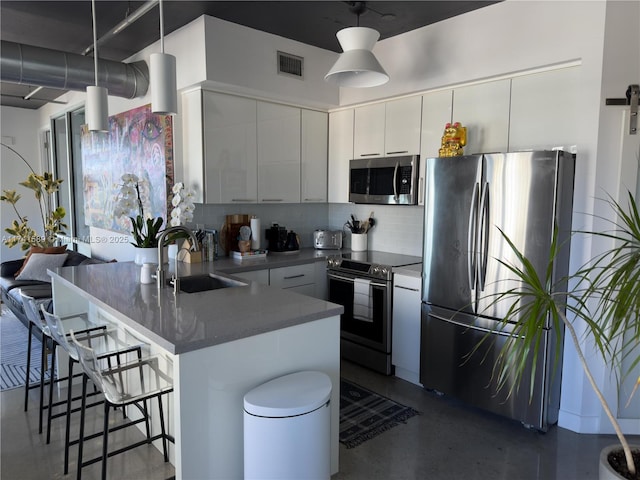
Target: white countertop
[189,321]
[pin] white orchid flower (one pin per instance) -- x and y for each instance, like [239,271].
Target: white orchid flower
[177,187]
[130,178]
[175,201]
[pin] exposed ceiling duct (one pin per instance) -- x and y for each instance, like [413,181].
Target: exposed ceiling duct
[25,64]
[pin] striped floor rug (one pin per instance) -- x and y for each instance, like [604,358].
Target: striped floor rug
[13,352]
[365,414]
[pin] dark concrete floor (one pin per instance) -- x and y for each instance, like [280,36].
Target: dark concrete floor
[447,441]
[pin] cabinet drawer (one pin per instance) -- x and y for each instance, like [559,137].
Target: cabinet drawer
[287,277]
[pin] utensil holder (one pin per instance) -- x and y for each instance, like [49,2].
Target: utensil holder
[359,242]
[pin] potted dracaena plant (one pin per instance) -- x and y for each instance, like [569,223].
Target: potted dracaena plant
[605,296]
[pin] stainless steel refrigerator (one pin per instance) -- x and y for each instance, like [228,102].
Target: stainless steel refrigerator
[466,200]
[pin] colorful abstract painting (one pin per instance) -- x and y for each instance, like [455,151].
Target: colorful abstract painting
[138,142]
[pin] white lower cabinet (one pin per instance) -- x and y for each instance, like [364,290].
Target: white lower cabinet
[308,279]
[290,277]
[405,348]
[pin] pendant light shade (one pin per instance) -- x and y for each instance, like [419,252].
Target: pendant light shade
[162,71]
[96,109]
[97,106]
[357,66]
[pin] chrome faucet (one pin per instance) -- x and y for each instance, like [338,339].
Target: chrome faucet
[160,273]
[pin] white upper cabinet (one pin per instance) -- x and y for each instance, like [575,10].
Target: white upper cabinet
[368,138]
[315,127]
[402,126]
[436,113]
[278,153]
[242,150]
[340,153]
[388,129]
[484,110]
[544,107]
[230,167]
[192,143]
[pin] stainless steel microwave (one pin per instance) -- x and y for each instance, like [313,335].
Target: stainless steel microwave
[385,180]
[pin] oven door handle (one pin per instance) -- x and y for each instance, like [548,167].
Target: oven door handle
[348,279]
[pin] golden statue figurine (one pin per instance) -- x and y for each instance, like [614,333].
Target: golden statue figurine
[453,139]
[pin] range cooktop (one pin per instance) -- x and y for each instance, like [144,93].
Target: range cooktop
[370,263]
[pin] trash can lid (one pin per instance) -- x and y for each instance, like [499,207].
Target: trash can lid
[294,394]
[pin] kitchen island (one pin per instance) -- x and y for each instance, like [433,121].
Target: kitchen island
[219,343]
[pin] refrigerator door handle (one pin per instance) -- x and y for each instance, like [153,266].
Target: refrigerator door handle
[472,242]
[490,326]
[484,233]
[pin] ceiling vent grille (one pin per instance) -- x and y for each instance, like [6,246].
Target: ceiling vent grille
[290,65]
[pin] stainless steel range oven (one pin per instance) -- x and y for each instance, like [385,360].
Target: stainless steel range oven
[362,282]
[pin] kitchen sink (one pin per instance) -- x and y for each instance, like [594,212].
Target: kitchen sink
[203,283]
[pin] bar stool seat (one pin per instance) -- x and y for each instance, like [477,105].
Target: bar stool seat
[133,383]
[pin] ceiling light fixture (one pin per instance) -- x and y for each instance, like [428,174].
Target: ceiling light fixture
[357,67]
[162,72]
[97,106]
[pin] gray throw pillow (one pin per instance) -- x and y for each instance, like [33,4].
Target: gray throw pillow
[38,264]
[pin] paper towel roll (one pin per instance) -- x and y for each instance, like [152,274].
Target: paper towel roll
[255,233]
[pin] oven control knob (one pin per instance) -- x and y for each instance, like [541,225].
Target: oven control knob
[384,272]
[376,270]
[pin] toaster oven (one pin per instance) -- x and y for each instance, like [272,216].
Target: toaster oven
[327,239]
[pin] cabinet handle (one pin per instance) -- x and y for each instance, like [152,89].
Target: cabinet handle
[399,151]
[314,199]
[271,200]
[369,154]
[243,200]
[294,276]
[406,288]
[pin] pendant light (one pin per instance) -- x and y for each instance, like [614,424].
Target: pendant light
[357,66]
[162,71]
[97,106]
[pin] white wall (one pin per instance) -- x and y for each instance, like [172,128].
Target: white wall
[245,60]
[19,130]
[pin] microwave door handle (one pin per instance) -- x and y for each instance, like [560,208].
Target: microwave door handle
[395,185]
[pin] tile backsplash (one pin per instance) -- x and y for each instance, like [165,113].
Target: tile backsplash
[398,229]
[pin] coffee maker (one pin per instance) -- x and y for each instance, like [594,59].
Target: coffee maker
[280,241]
[276,238]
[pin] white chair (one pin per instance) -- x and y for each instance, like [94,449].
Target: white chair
[32,306]
[133,383]
[106,344]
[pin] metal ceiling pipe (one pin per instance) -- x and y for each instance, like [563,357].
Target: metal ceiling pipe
[127,22]
[26,64]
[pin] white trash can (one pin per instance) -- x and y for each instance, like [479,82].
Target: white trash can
[287,428]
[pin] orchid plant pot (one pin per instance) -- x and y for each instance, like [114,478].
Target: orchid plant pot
[146,255]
